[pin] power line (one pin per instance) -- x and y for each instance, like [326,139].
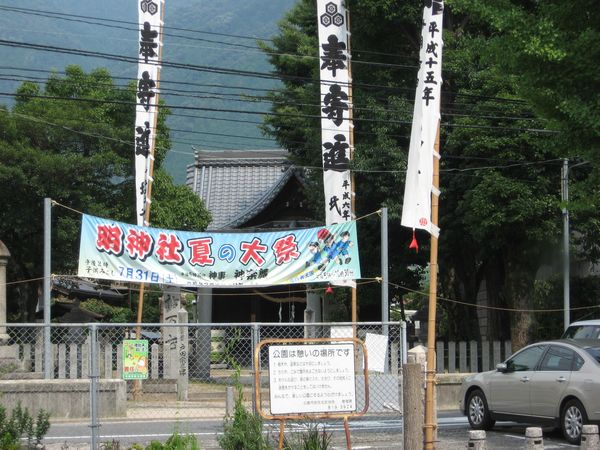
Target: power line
[96,135]
[219,70]
[264,99]
[262,113]
[135,25]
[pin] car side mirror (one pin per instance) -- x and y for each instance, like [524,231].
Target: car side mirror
[502,367]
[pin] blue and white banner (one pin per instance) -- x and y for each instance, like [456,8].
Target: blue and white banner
[416,209]
[118,251]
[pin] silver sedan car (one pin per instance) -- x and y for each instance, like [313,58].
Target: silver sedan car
[554,383]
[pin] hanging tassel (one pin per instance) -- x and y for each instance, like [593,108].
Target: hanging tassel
[414,244]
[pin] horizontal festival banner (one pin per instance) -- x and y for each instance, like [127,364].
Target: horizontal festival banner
[118,251]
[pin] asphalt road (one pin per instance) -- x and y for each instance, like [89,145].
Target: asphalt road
[382,433]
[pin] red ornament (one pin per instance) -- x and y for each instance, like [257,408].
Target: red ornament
[329,290]
[414,244]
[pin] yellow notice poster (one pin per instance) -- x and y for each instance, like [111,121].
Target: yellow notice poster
[135,359]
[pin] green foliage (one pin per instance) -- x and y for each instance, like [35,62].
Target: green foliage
[71,141]
[539,44]
[21,425]
[176,442]
[180,208]
[382,114]
[500,213]
[243,430]
[584,294]
[312,439]
[229,355]
[113,314]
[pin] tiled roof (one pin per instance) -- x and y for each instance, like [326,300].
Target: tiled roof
[235,185]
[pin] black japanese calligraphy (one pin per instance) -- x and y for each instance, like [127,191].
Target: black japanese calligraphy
[333,55]
[333,204]
[431,48]
[430,62]
[337,155]
[429,78]
[427,95]
[145,93]
[142,141]
[147,44]
[433,28]
[335,104]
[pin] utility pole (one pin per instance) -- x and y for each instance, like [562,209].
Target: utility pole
[385,306]
[566,256]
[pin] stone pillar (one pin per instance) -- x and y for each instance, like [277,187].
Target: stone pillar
[200,362]
[589,437]
[171,303]
[183,351]
[326,302]
[534,439]
[477,440]
[4,256]
[313,303]
[312,314]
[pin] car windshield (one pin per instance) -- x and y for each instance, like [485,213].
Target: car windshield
[595,352]
[582,332]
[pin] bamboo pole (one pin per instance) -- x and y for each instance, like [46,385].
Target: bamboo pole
[430,421]
[354,301]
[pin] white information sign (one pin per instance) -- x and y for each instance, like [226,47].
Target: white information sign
[377,350]
[312,378]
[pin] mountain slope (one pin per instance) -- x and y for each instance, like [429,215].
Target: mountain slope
[219,45]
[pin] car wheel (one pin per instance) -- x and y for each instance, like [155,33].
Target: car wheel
[478,412]
[572,419]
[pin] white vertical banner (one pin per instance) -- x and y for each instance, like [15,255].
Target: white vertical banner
[336,104]
[146,111]
[416,210]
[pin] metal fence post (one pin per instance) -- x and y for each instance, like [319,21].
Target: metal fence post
[255,338]
[48,363]
[403,342]
[94,385]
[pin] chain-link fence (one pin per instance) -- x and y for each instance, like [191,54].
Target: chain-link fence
[99,371]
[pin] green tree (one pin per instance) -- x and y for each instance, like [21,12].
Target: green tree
[549,49]
[500,211]
[382,112]
[71,140]
[526,53]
